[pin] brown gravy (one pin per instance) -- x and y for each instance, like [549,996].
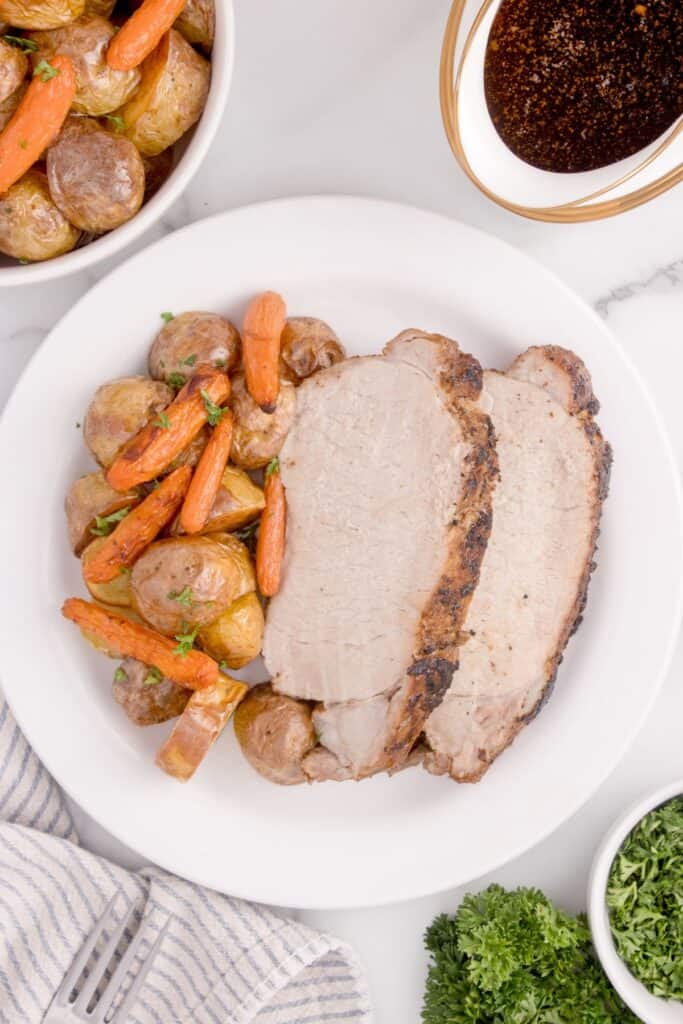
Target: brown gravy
[572,85]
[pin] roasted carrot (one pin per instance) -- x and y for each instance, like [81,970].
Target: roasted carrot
[141,33]
[154,448]
[204,485]
[137,531]
[188,668]
[199,726]
[37,120]
[270,547]
[264,322]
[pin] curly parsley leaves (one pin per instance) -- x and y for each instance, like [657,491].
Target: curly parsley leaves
[214,413]
[186,639]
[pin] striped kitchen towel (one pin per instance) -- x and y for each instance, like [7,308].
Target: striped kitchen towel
[221,961]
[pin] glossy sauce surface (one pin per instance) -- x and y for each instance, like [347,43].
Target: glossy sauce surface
[573,86]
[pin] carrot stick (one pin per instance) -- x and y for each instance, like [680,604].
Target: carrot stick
[35,123]
[141,33]
[204,486]
[199,726]
[270,547]
[137,531]
[162,440]
[264,322]
[193,669]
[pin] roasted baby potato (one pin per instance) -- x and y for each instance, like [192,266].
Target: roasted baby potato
[31,226]
[101,7]
[91,497]
[258,436]
[40,14]
[239,553]
[236,637]
[238,502]
[118,411]
[157,170]
[96,177]
[171,97]
[99,89]
[117,591]
[13,69]
[306,346]
[275,733]
[197,22]
[183,583]
[190,455]
[8,106]
[145,695]
[189,340]
[199,726]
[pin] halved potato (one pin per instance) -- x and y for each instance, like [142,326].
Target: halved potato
[8,106]
[13,69]
[238,502]
[89,497]
[119,409]
[117,591]
[241,559]
[171,97]
[99,88]
[31,226]
[197,22]
[40,14]
[236,636]
[307,346]
[201,723]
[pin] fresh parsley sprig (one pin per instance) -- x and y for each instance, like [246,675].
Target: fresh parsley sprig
[184,596]
[214,413]
[186,639]
[45,71]
[105,524]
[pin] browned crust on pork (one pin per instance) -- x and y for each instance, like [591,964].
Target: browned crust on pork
[583,405]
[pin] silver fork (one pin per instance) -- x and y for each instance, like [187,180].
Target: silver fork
[64,1010]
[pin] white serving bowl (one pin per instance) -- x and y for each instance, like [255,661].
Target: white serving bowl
[650,1009]
[198,142]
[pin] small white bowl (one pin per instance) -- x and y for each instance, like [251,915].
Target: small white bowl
[222,59]
[650,1009]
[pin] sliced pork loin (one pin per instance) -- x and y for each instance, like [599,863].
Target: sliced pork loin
[554,469]
[389,470]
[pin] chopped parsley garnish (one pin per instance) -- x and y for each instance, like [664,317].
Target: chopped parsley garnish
[273,467]
[21,43]
[645,901]
[162,421]
[121,676]
[105,524]
[176,380]
[183,596]
[124,570]
[185,640]
[78,426]
[214,413]
[191,360]
[119,125]
[153,676]
[220,364]
[23,143]
[45,71]
[223,666]
[167,317]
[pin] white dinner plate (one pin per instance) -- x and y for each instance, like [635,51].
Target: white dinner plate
[369,268]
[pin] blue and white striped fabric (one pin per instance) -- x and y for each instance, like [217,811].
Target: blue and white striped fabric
[222,961]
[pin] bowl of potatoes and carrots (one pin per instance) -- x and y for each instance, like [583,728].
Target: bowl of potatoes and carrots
[107,108]
[181,529]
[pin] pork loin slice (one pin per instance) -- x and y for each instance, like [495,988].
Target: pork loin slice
[389,469]
[554,469]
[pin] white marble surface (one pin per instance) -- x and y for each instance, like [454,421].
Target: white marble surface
[332,96]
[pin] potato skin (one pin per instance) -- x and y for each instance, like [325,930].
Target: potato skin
[101,7]
[40,14]
[238,502]
[171,97]
[119,409]
[31,226]
[258,436]
[239,554]
[13,69]
[117,591]
[197,22]
[197,336]
[8,106]
[236,636]
[99,89]
[88,497]
[96,178]
[147,703]
[275,733]
[308,345]
[167,567]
